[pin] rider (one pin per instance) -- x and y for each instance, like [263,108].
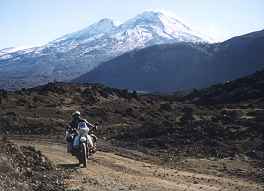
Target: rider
[79,126]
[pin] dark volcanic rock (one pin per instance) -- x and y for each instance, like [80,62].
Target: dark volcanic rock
[24,168]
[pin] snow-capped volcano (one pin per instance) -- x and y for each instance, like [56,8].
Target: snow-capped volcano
[148,25]
[164,26]
[77,53]
[104,26]
[145,29]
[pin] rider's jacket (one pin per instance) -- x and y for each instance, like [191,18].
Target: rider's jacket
[74,124]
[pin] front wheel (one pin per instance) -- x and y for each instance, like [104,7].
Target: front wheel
[83,155]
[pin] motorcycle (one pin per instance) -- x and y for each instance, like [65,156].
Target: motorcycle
[81,143]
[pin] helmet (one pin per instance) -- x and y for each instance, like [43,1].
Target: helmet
[76,113]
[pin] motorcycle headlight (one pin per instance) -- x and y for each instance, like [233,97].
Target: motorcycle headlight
[83,139]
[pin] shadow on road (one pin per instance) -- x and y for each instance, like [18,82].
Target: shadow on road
[68,166]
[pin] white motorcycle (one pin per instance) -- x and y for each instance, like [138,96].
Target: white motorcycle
[82,142]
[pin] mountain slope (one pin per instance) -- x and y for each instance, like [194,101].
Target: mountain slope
[75,54]
[239,56]
[182,66]
[243,89]
[153,69]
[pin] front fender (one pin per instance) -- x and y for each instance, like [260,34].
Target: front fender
[83,139]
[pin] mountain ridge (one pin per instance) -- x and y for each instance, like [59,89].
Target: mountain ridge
[162,68]
[74,54]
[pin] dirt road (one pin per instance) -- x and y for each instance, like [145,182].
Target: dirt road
[108,171]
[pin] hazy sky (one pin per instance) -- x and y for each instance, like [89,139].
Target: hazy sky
[35,22]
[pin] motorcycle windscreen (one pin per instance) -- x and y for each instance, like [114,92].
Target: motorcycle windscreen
[84,131]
